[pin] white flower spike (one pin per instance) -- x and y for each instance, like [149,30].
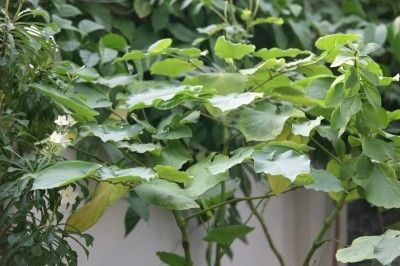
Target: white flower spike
[68,196]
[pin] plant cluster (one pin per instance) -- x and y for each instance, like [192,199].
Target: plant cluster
[189,117]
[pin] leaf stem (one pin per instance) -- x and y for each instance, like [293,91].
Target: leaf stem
[318,242]
[268,195]
[325,150]
[181,222]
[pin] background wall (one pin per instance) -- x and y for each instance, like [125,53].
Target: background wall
[293,219]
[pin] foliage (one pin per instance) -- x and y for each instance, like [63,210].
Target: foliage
[170,118]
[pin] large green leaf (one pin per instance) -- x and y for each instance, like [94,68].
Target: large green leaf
[225,235]
[136,174]
[226,49]
[64,173]
[111,131]
[165,194]
[158,94]
[170,173]
[324,181]
[265,121]
[171,259]
[104,197]
[174,154]
[222,163]
[234,100]
[203,180]
[281,161]
[80,109]
[329,43]
[381,187]
[385,248]
[223,83]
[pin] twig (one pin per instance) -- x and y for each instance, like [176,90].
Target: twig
[318,242]
[181,222]
[325,150]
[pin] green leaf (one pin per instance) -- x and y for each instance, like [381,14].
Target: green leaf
[234,100]
[80,109]
[131,220]
[269,20]
[133,55]
[223,83]
[171,259]
[66,10]
[265,121]
[222,163]
[225,235]
[135,175]
[140,147]
[113,41]
[172,174]
[324,181]
[116,80]
[160,46]
[381,187]
[266,54]
[281,161]
[377,149]
[88,58]
[64,173]
[104,197]
[328,43]
[165,194]
[158,94]
[385,248]
[351,106]
[173,67]
[319,87]
[87,26]
[111,131]
[175,154]
[142,8]
[278,183]
[202,179]
[226,49]
[305,128]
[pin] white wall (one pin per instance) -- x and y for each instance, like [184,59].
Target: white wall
[293,220]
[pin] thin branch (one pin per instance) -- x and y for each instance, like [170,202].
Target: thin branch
[326,150]
[318,242]
[88,154]
[180,221]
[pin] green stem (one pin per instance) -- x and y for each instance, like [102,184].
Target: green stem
[326,150]
[7,6]
[185,239]
[267,235]
[318,242]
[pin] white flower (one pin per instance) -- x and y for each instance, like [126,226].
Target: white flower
[61,120]
[68,196]
[71,120]
[58,138]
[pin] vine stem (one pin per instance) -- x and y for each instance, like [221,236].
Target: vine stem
[318,242]
[266,232]
[181,222]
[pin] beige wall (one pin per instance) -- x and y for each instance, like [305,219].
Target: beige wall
[293,219]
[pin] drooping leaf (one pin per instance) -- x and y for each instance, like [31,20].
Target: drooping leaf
[225,235]
[64,173]
[171,259]
[104,197]
[80,109]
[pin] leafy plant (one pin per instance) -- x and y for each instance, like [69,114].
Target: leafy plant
[191,121]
